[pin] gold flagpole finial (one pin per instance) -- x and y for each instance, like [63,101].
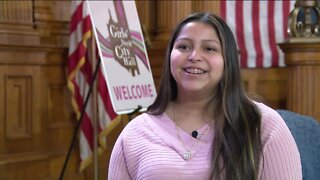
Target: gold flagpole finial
[304,22]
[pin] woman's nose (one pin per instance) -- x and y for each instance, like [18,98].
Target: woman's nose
[195,55]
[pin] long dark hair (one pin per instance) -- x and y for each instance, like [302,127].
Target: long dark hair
[237,142]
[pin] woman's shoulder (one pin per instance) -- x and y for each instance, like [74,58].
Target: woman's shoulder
[268,114]
[272,123]
[141,125]
[137,122]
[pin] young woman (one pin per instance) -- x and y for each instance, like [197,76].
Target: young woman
[202,125]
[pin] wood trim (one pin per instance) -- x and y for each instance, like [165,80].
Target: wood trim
[303,60]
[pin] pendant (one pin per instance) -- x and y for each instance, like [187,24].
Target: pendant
[187,155]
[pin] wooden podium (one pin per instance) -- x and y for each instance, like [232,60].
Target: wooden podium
[303,61]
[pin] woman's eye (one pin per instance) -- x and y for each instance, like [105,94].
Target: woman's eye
[183,47]
[210,49]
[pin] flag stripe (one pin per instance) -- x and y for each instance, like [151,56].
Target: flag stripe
[272,39]
[230,15]
[76,17]
[223,9]
[87,129]
[75,58]
[240,33]
[84,152]
[256,33]
[264,31]
[86,24]
[278,19]
[86,70]
[79,36]
[249,39]
[258,27]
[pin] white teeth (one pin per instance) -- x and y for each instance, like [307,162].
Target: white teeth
[194,71]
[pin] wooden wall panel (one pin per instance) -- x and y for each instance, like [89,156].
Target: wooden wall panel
[18,106]
[156,62]
[267,85]
[305,95]
[146,11]
[36,120]
[164,18]
[57,117]
[168,13]
[22,118]
[56,94]
[37,169]
[33,82]
[273,92]
[206,6]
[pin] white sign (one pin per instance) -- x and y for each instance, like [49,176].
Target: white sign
[123,54]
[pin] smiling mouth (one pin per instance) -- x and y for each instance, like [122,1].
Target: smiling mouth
[194,71]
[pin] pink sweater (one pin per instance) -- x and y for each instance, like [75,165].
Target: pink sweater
[148,148]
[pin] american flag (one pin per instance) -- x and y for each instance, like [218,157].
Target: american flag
[258,26]
[80,74]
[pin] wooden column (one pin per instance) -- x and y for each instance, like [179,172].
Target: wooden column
[303,61]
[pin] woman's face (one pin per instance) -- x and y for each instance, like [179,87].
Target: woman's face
[196,59]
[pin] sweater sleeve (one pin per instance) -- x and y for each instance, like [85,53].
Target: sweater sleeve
[118,166]
[281,158]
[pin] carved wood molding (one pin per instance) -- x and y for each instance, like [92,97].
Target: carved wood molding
[303,60]
[32,55]
[31,22]
[303,96]
[301,53]
[16,12]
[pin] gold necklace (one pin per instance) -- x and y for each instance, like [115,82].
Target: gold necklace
[187,155]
